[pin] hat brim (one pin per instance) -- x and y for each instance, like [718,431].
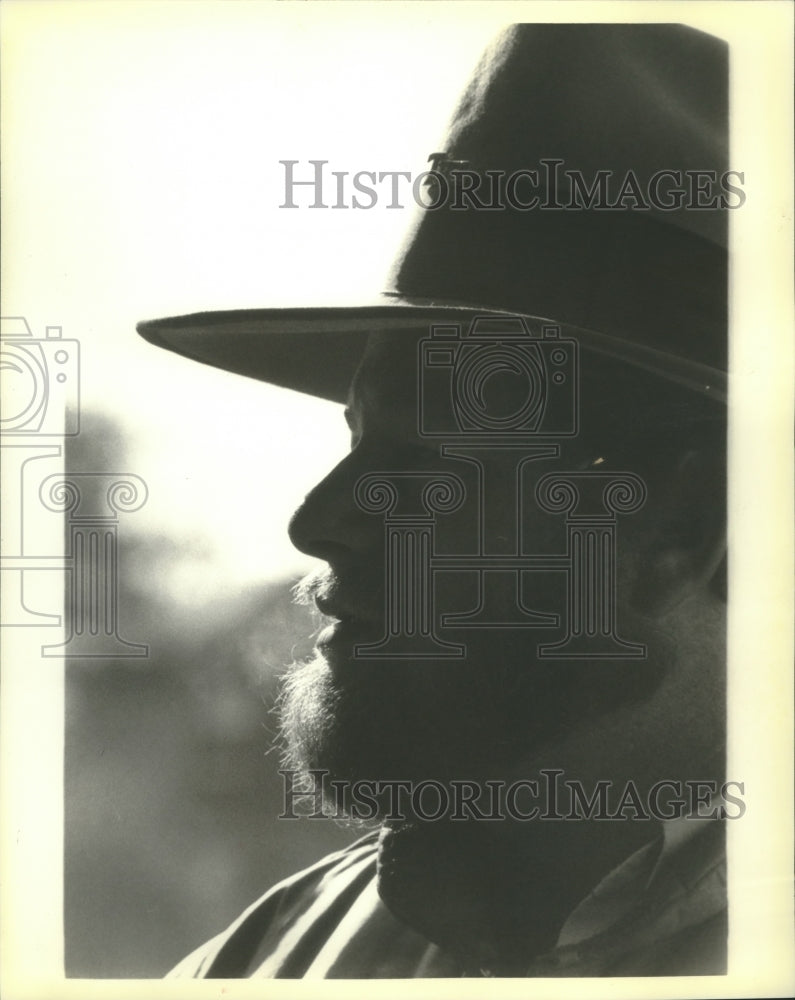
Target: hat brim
[317,350]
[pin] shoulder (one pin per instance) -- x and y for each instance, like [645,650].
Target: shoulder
[230,953]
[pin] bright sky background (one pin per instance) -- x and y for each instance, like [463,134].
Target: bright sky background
[146,182]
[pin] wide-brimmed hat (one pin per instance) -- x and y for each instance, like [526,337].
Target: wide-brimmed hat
[584,180]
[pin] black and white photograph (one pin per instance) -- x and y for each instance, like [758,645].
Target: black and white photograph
[397,498]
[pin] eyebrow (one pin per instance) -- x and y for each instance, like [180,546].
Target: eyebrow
[352,419]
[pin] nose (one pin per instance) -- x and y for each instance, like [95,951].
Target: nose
[329,524]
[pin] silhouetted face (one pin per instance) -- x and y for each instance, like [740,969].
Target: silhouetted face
[459,640]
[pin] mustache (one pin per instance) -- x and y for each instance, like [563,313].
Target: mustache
[317,583]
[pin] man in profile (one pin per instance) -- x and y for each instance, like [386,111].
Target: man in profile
[521,679]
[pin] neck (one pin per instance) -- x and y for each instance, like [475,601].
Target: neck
[497,893]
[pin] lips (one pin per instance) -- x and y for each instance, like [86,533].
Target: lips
[346,628]
[327,608]
[342,611]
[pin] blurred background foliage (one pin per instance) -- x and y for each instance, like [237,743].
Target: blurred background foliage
[172,789]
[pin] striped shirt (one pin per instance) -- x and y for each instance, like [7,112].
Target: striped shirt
[662,912]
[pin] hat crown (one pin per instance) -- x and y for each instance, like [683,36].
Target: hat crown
[639,98]
[612,105]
